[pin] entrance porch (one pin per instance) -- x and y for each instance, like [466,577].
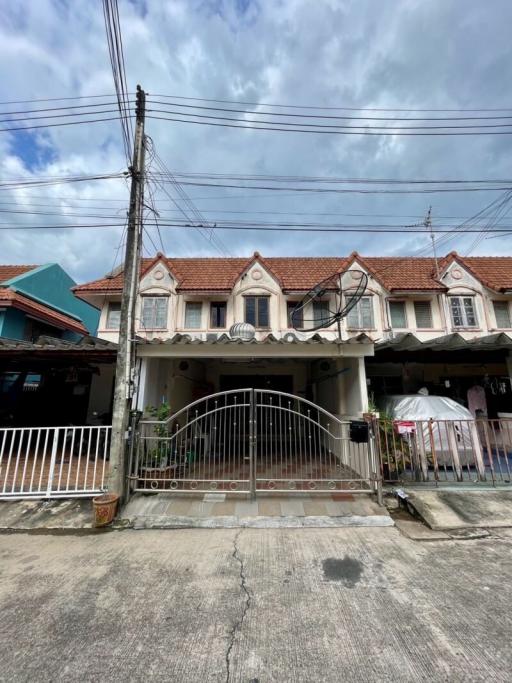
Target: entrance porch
[252,416]
[330,374]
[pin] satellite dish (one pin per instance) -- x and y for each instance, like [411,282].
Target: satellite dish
[243,331]
[339,293]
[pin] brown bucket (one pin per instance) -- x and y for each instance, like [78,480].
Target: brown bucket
[105,507]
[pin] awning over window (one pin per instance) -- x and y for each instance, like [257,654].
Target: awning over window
[448,342]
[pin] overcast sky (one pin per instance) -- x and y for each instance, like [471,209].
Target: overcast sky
[340,53]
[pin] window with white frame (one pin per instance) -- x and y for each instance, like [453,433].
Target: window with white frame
[114,315]
[361,316]
[397,315]
[463,311]
[502,314]
[154,312]
[423,315]
[193,313]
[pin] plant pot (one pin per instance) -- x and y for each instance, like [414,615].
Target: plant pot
[105,508]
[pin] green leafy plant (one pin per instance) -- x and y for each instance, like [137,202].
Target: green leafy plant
[158,456]
[394,449]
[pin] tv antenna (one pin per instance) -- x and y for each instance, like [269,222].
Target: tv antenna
[428,224]
[335,297]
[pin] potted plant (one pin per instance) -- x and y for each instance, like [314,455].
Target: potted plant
[157,460]
[395,455]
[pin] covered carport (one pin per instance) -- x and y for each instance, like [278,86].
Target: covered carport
[55,382]
[450,365]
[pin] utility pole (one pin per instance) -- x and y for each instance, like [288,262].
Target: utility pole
[123,390]
[428,224]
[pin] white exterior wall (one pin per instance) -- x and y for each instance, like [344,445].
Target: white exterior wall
[257,281]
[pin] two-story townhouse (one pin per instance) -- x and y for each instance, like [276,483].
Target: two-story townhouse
[52,370]
[448,329]
[443,326]
[186,308]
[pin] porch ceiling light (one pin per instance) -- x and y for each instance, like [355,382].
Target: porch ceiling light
[243,331]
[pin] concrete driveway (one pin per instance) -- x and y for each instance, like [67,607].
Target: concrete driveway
[255,605]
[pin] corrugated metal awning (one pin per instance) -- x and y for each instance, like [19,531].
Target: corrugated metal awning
[224,339]
[448,342]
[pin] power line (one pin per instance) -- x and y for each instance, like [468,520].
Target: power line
[115,48]
[57,99]
[53,125]
[341,129]
[337,179]
[57,116]
[322,116]
[342,191]
[324,108]
[67,108]
[326,132]
[291,228]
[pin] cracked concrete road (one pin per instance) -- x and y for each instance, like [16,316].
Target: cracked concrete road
[255,605]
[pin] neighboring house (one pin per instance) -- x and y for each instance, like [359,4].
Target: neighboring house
[52,369]
[410,329]
[36,300]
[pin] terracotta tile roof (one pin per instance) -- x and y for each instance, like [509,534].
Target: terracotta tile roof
[493,271]
[301,273]
[8,272]
[16,300]
[217,274]
[402,272]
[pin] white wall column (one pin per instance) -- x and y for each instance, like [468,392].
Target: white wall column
[141,383]
[356,390]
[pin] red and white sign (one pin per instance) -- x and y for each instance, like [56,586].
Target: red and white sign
[405,426]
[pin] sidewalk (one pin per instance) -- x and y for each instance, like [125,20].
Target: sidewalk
[216,510]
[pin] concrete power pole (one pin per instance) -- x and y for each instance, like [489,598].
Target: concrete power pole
[123,390]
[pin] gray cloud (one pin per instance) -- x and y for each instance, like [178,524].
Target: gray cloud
[393,53]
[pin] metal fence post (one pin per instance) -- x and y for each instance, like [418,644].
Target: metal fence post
[374,458]
[252,439]
[53,459]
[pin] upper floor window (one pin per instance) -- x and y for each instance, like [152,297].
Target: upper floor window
[256,311]
[463,311]
[423,315]
[218,314]
[154,312]
[361,316]
[114,315]
[321,312]
[296,319]
[193,313]
[502,313]
[397,315]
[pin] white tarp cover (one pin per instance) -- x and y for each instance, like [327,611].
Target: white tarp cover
[459,433]
[418,407]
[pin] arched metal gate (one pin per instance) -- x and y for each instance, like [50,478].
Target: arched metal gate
[250,440]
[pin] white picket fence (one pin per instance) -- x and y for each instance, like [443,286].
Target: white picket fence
[52,462]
